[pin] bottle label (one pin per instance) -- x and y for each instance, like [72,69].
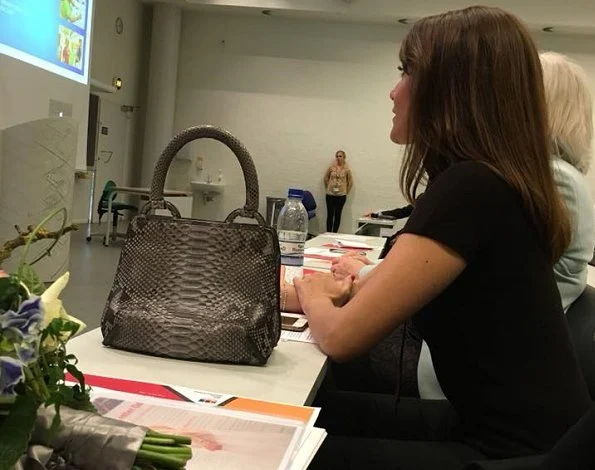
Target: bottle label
[292,253]
[291,244]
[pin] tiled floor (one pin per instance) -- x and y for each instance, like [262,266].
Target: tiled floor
[92,269]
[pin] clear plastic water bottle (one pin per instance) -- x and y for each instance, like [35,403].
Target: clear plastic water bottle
[292,229]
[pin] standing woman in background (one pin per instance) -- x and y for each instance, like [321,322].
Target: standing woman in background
[338,182]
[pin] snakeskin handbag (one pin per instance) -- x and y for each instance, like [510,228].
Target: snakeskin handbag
[197,289]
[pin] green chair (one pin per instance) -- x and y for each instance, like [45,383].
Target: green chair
[117,206]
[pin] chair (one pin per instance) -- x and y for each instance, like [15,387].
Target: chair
[581,322]
[103,206]
[310,204]
[274,206]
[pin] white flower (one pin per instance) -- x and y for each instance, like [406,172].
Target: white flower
[53,307]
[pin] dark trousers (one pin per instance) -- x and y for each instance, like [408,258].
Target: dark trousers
[373,431]
[575,449]
[334,207]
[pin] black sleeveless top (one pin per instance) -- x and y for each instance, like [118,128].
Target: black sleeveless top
[498,336]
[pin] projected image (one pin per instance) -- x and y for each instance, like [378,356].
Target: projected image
[54,35]
[73,11]
[70,47]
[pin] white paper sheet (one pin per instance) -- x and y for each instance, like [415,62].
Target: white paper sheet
[317,264]
[323,252]
[299,336]
[348,243]
[293,271]
[356,238]
[221,439]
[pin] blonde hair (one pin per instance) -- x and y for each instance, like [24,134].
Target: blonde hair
[345,164]
[570,109]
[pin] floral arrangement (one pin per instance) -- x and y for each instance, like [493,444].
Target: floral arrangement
[34,332]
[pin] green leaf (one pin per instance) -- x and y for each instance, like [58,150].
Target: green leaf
[54,328]
[16,431]
[30,278]
[77,374]
[67,394]
[10,293]
[78,396]
[55,374]
[70,326]
[44,335]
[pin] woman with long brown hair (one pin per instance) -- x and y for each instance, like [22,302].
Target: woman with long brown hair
[472,268]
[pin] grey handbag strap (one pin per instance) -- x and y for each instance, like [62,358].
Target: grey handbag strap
[250,209]
[241,213]
[151,205]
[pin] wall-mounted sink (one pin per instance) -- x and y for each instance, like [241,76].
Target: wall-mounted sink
[205,187]
[208,190]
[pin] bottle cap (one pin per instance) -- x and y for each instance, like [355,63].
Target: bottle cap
[293,192]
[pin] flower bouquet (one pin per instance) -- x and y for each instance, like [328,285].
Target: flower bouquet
[46,422]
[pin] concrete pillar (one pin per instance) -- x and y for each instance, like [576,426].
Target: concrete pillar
[162,85]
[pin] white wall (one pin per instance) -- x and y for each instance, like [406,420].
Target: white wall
[25,94]
[121,56]
[294,92]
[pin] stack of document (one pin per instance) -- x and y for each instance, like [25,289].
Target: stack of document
[336,249]
[228,432]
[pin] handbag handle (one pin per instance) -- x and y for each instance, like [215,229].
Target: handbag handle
[250,209]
